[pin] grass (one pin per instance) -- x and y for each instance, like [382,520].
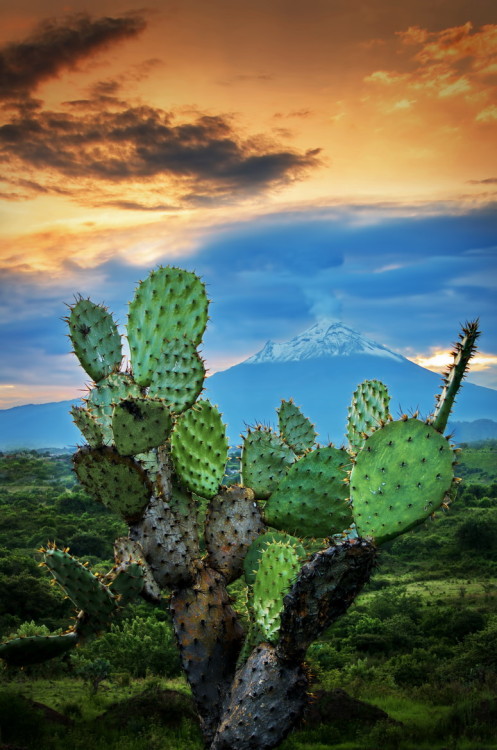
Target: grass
[478,465]
[72,698]
[448,590]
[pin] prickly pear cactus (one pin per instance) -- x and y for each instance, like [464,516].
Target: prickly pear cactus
[302,530]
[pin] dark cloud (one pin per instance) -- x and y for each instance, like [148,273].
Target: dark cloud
[486,181]
[142,143]
[244,78]
[134,206]
[54,46]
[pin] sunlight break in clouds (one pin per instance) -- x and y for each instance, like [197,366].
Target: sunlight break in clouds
[439,359]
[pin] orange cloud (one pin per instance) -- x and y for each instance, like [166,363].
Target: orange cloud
[456,61]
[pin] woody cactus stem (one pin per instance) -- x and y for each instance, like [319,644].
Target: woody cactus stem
[156,456]
[464,350]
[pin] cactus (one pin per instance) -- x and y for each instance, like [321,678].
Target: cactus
[303,528]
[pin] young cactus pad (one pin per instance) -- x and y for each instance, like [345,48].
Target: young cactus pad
[266,459]
[368,411]
[400,477]
[170,303]
[295,428]
[95,338]
[199,449]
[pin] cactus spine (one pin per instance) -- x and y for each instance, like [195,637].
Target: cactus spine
[156,454]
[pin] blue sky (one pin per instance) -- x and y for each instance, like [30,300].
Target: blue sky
[406,278]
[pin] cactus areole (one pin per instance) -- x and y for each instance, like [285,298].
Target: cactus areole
[301,532]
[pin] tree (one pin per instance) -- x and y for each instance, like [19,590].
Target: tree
[302,528]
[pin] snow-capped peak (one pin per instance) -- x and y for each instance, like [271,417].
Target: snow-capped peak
[324,339]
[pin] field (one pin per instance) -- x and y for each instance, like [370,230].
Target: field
[413,664]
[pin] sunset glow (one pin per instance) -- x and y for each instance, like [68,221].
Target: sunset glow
[303,158]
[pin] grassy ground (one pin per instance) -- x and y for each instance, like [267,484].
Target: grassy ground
[419,722]
[478,465]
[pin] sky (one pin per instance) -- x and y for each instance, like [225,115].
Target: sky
[329,159]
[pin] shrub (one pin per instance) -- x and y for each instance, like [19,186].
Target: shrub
[140,646]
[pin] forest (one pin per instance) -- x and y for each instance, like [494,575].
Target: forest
[413,663]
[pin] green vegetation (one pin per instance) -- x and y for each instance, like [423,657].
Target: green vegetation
[420,642]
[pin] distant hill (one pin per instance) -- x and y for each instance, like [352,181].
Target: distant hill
[320,368]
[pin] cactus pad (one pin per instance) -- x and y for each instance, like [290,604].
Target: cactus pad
[199,449]
[311,499]
[266,459]
[81,586]
[95,338]
[368,410]
[278,567]
[295,428]
[128,582]
[400,477]
[88,425]
[254,553]
[179,375]
[21,652]
[104,397]
[170,303]
[140,424]
[116,481]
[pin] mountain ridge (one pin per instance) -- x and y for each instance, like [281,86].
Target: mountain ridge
[319,368]
[325,338]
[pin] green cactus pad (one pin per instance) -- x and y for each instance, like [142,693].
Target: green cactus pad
[169,304]
[88,425]
[116,481]
[179,375]
[279,566]
[266,459]
[368,410]
[463,351]
[104,397]
[254,552]
[295,428]
[140,424]
[399,478]
[95,338]
[22,652]
[81,586]
[311,500]
[199,449]
[233,522]
[128,582]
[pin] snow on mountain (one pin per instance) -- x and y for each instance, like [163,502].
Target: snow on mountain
[323,339]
